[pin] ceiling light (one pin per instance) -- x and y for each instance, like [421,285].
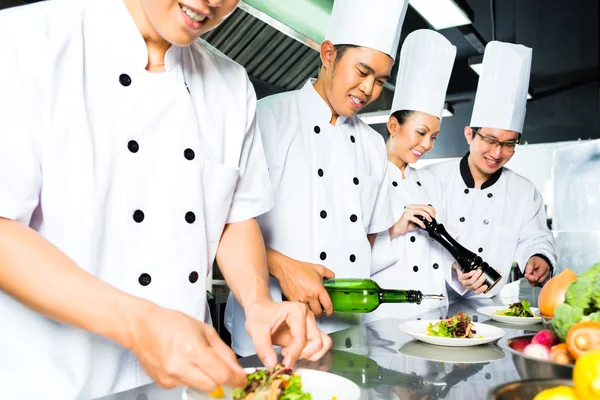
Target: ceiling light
[441,14]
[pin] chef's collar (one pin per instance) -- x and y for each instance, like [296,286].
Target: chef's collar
[319,108]
[465,172]
[122,33]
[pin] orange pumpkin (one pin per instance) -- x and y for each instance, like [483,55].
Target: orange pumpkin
[553,292]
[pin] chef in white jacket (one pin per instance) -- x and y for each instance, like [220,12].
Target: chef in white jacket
[490,209]
[426,61]
[328,168]
[129,158]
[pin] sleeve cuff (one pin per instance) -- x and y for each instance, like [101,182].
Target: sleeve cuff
[242,213]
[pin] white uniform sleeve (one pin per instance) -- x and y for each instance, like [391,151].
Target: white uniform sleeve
[534,235]
[383,254]
[252,195]
[20,130]
[382,218]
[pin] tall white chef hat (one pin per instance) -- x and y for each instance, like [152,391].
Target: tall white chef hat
[501,97]
[426,61]
[351,23]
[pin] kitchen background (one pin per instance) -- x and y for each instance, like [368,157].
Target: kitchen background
[277,42]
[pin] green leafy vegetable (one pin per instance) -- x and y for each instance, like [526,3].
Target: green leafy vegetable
[521,309]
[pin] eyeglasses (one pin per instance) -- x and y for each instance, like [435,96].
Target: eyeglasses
[492,143]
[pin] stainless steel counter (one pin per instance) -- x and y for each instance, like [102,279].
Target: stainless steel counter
[389,365]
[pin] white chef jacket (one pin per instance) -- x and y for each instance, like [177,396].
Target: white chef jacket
[504,221]
[133,175]
[329,184]
[418,262]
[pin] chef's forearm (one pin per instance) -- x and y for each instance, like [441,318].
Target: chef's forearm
[242,260]
[40,276]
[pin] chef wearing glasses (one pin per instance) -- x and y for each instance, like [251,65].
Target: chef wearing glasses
[490,209]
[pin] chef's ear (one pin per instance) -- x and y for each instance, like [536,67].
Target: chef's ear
[392,126]
[327,54]
[468,134]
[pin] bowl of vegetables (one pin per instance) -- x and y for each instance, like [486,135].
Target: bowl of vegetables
[538,356]
[575,329]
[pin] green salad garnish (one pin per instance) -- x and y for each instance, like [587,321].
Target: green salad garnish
[521,309]
[278,381]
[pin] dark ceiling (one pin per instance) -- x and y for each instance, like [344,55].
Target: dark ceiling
[564,75]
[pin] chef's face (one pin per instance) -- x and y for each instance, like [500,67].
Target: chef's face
[182,22]
[412,134]
[487,153]
[355,79]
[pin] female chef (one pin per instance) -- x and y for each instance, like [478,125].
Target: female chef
[426,61]
[122,175]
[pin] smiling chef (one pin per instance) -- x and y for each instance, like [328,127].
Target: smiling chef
[328,168]
[129,158]
[489,208]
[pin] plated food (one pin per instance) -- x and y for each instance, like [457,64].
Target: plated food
[456,331]
[284,384]
[277,383]
[457,326]
[520,309]
[518,313]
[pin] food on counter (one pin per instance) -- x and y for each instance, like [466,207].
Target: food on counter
[583,337]
[586,376]
[272,384]
[218,393]
[582,302]
[546,338]
[560,354]
[553,292]
[557,393]
[520,309]
[458,326]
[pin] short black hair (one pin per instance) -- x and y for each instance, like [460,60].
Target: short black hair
[340,50]
[401,116]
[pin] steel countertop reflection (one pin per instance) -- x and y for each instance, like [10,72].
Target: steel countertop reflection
[389,365]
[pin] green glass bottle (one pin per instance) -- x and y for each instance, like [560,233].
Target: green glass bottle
[365,295]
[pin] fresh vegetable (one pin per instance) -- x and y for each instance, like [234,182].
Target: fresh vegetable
[520,309]
[579,294]
[557,393]
[519,344]
[553,292]
[538,351]
[272,384]
[560,354]
[583,337]
[546,338]
[458,326]
[581,302]
[564,318]
[586,376]
[218,393]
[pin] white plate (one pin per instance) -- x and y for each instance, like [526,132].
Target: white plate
[491,310]
[418,330]
[321,385]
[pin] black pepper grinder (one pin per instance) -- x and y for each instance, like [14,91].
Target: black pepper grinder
[467,260]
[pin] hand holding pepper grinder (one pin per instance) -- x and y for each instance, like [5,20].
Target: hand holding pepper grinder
[467,260]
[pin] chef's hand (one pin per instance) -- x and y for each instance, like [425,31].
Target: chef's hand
[177,350]
[472,280]
[537,271]
[287,324]
[303,282]
[409,221]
